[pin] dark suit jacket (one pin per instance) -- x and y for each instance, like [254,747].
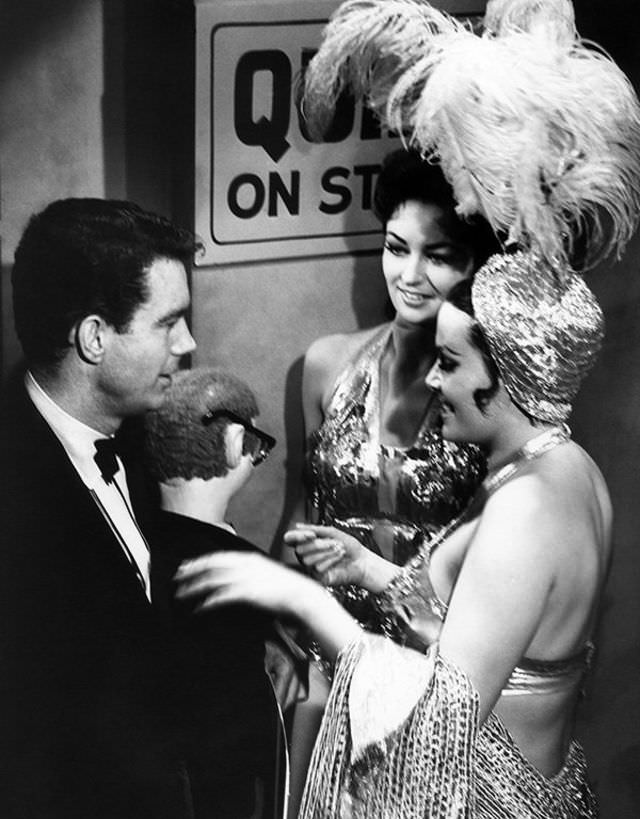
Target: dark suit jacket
[88,716]
[230,718]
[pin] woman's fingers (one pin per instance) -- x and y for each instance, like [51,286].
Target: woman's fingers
[200,585]
[220,597]
[317,530]
[191,568]
[312,554]
[327,563]
[211,573]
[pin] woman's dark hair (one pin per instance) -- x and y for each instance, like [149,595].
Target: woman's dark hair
[460,297]
[405,175]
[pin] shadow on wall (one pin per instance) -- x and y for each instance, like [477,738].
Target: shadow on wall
[31,26]
[12,363]
[295,447]
[607,424]
[149,104]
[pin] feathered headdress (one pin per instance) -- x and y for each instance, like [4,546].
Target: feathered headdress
[535,129]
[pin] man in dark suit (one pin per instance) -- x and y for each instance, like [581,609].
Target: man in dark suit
[202,447]
[88,720]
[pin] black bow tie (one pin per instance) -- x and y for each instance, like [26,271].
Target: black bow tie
[105,458]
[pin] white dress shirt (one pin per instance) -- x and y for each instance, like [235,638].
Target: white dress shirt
[78,441]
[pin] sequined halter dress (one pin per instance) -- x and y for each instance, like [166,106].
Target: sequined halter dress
[388,497]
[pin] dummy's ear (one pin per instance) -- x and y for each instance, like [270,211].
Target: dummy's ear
[233,441]
[89,336]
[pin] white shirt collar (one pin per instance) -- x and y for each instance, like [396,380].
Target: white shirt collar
[77,438]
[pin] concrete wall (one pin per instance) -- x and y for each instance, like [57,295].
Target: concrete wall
[96,99]
[50,95]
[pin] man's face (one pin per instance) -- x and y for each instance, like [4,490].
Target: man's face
[139,362]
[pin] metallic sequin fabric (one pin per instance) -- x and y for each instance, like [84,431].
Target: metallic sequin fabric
[385,496]
[437,763]
[412,614]
[544,330]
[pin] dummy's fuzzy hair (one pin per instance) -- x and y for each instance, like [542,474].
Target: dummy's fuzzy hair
[177,443]
[535,129]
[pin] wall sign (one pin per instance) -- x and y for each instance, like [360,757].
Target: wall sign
[264,190]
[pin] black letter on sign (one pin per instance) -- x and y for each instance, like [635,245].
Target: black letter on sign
[235,207]
[269,133]
[290,198]
[340,190]
[370,125]
[367,173]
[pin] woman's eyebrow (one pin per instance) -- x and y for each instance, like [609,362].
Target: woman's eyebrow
[395,236]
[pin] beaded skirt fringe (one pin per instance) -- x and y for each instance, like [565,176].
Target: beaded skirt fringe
[437,764]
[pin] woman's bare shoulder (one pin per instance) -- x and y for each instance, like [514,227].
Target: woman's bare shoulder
[558,497]
[342,345]
[327,356]
[325,359]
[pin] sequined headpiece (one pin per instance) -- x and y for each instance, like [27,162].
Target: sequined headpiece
[544,332]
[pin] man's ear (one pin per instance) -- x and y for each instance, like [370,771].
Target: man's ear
[88,337]
[233,441]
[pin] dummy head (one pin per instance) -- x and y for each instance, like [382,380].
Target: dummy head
[184,441]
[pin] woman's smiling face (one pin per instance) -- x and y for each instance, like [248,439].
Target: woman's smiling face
[421,261]
[459,375]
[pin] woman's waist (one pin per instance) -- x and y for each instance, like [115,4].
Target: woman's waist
[538,728]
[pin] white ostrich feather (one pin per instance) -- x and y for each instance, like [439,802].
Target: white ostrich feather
[367,46]
[550,19]
[534,129]
[545,144]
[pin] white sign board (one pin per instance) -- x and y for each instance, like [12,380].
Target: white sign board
[264,190]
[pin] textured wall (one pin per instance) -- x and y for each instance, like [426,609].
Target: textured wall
[50,95]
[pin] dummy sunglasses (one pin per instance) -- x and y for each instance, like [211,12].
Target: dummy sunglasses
[258,443]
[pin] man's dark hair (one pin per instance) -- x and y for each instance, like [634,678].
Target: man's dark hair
[84,256]
[405,175]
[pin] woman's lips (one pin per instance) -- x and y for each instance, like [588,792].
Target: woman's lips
[413,297]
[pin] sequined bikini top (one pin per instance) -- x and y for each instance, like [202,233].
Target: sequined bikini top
[413,614]
[355,481]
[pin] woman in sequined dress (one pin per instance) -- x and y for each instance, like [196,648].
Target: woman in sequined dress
[377,466]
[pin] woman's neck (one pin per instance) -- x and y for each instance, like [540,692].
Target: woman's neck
[403,393]
[411,350]
[510,440]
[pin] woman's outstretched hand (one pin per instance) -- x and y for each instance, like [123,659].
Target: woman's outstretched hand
[222,578]
[336,558]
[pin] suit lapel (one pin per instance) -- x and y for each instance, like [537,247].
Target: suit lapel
[72,499]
